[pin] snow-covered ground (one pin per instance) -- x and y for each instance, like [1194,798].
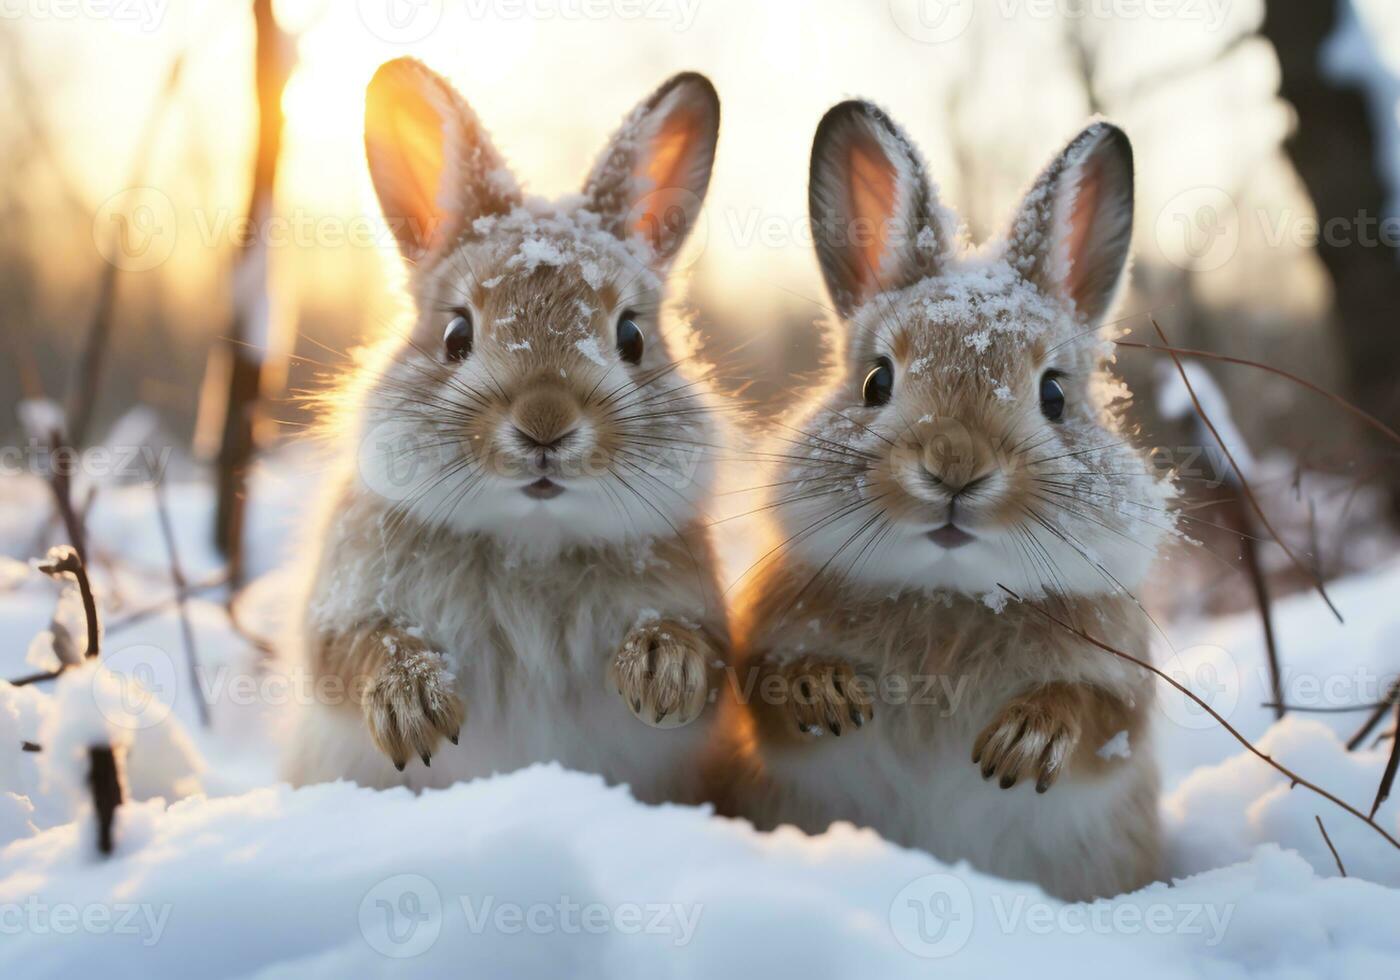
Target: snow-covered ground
[220,871]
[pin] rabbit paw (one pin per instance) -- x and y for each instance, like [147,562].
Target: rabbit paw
[662,672]
[411,704]
[824,696]
[1033,736]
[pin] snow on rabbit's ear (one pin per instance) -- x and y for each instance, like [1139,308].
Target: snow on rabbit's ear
[1074,229]
[650,181]
[875,215]
[433,166]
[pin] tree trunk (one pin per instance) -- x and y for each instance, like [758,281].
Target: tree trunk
[248,335]
[1334,149]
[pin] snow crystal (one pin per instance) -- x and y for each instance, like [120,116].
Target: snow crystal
[588,347]
[995,600]
[535,252]
[1116,747]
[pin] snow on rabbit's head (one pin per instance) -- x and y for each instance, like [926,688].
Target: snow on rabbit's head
[535,396]
[970,438]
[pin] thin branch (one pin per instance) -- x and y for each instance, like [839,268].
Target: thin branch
[46,675]
[1293,777]
[217,581]
[1388,777]
[1335,856]
[1392,697]
[30,747]
[62,485]
[105,781]
[1338,400]
[66,561]
[87,379]
[1321,709]
[177,577]
[1244,484]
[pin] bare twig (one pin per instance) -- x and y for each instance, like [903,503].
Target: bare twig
[156,608]
[106,785]
[1388,777]
[62,485]
[45,675]
[177,578]
[67,561]
[1321,709]
[1392,697]
[1360,413]
[1244,484]
[87,379]
[29,747]
[1335,856]
[251,302]
[1250,551]
[1293,777]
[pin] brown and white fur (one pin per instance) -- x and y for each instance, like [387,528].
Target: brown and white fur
[514,565]
[887,677]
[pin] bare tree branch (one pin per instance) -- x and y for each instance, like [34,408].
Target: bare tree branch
[1293,777]
[1335,856]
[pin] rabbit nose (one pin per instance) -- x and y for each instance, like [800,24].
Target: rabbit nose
[544,419]
[534,442]
[954,489]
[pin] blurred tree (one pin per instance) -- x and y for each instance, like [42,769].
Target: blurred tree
[248,337]
[1335,149]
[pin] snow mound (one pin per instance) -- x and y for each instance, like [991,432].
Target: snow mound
[550,873]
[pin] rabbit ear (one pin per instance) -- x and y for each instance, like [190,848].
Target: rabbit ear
[875,216]
[1072,234]
[433,166]
[650,180]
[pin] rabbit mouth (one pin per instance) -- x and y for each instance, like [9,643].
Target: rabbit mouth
[542,489]
[950,537]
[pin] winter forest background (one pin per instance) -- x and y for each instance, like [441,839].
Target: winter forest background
[191,245]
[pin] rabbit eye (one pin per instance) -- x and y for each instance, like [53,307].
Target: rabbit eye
[629,338]
[1052,396]
[457,338]
[879,383]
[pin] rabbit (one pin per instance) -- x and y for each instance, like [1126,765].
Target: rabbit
[512,564]
[966,466]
